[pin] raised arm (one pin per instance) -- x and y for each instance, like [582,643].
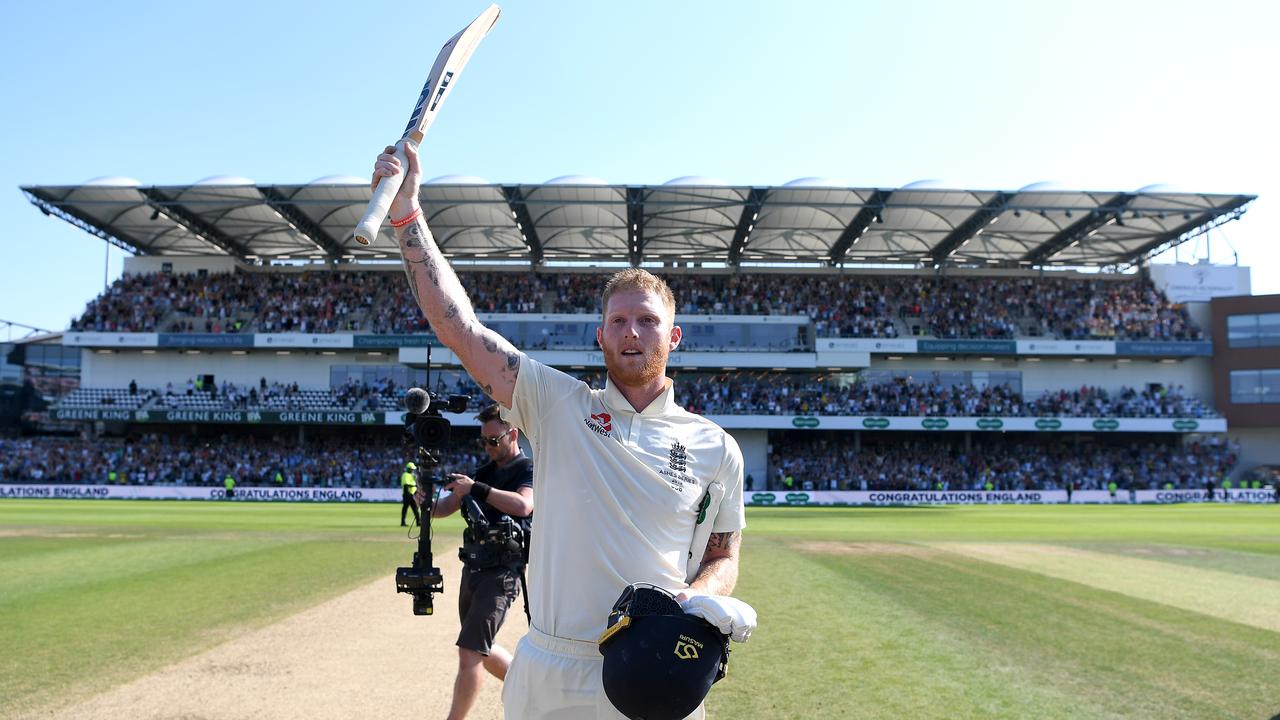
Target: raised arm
[490,359]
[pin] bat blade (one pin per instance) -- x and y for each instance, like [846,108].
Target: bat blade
[442,79]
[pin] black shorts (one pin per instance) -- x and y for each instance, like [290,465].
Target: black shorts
[483,601]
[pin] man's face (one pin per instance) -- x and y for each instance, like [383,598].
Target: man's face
[507,445]
[638,335]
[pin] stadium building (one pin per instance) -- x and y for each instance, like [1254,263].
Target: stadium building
[853,340]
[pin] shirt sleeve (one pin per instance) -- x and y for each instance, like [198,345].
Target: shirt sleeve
[525,477]
[538,388]
[731,515]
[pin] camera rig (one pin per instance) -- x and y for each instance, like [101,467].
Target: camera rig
[426,434]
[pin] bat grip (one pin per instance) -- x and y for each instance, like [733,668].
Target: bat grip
[380,204]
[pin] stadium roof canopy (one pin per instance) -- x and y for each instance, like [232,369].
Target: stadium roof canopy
[688,219]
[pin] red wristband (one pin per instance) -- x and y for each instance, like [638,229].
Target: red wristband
[407,219]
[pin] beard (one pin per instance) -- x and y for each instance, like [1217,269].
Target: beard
[624,371]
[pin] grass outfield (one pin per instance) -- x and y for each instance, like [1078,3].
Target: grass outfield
[981,612]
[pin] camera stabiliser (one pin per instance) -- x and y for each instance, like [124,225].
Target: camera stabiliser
[426,434]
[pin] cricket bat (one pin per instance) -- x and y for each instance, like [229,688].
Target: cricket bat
[444,75]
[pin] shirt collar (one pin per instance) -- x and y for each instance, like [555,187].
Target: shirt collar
[664,404]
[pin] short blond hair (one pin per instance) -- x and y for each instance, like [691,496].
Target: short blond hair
[642,280]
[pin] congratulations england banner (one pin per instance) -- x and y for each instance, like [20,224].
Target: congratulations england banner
[997,497]
[873,497]
[169,492]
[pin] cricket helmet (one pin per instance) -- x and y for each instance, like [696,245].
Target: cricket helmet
[659,662]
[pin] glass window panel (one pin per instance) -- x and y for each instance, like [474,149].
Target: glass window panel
[1269,385]
[1269,330]
[1245,385]
[1242,331]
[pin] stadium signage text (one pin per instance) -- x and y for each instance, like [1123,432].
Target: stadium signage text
[1262,495]
[1166,348]
[96,339]
[945,497]
[302,340]
[968,347]
[805,422]
[292,494]
[1066,347]
[204,340]
[391,341]
[1003,497]
[904,497]
[978,423]
[55,491]
[394,341]
[237,417]
[872,345]
[88,414]
[171,492]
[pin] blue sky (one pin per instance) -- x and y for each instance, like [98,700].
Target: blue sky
[996,95]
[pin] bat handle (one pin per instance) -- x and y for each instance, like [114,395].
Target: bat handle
[380,205]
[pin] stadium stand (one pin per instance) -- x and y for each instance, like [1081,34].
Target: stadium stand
[839,306]
[848,338]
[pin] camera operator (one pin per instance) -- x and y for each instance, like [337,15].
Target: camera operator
[490,583]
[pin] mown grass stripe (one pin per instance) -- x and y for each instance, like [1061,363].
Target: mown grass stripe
[1238,562]
[1236,598]
[833,644]
[1109,654]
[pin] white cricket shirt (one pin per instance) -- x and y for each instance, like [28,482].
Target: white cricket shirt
[616,494]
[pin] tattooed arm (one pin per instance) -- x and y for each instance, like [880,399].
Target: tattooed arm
[487,356]
[719,570]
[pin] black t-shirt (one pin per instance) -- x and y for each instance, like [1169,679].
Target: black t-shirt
[516,474]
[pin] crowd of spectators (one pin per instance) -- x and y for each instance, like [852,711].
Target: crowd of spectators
[840,305]
[352,394]
[312,302]
[824,461]
[780,394]
[741,394]
[802,461]
[183,460]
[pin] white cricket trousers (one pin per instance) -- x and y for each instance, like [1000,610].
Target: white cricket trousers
[554,678]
